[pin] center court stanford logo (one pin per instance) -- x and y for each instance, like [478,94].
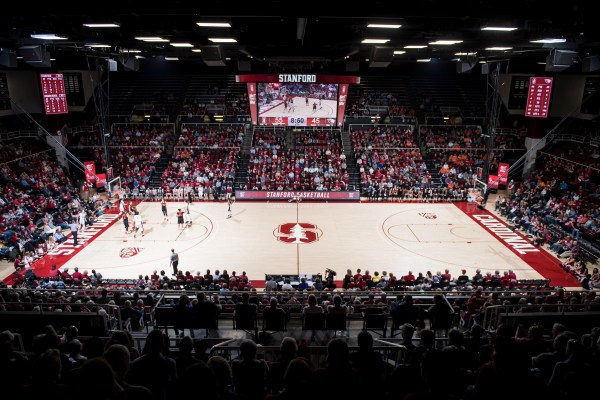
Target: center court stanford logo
[128,252]
[428,215]
[298,232]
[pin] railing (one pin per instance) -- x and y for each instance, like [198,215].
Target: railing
[576,317]
[392,353]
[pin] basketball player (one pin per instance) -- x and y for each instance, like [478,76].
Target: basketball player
[230,201]
[314,107]
[163,207]
[188,216]
[306,101]
[126,221]
[122,206]
[137,224]
[179,218]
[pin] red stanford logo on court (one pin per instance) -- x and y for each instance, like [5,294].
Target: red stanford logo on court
[298,232]
[428,215]
[128,252]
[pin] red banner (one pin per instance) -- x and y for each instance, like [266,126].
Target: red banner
[342,100]
[101,181]
[304,195]
[90,171]
[503,173]
[252,102]
[493,181]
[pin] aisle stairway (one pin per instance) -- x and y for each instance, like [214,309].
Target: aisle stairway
[354,181]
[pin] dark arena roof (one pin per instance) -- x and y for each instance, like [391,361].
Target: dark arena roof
[277,35]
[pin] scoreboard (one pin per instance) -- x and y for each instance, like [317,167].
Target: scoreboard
[54,94]
[297,121]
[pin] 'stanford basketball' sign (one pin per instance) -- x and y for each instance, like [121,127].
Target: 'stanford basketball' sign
[304,195]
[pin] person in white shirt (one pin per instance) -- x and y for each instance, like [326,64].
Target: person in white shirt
[137,224]
[82,217]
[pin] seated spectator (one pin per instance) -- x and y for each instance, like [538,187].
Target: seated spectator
[338,378]
[249,373]
[312,306]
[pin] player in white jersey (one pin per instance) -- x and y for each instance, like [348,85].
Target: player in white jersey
[138,226]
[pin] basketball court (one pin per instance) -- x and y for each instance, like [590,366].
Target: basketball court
[307,238]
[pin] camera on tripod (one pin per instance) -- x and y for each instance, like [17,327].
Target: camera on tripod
[330,272]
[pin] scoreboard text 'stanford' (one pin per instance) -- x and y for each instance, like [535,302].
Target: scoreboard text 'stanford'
[297,78]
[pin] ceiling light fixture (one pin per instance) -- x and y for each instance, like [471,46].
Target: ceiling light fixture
[197,50]
[171,58]
[399,52]
[151,39]
[499,28]
[222,40]
[498,48]
[384,26]
[424,60]
[375,41]
[98,45]
[549,40]
[47,36]
[445,42]
[415,46]
[182,45]
[214,24]
[103,25]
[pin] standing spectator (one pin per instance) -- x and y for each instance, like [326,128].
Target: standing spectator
[440,315]
[369,364]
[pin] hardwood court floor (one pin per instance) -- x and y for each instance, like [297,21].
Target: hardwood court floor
[305,238]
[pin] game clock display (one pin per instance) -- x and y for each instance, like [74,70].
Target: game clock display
[296,121]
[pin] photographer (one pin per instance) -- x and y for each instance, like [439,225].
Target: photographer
[329,279]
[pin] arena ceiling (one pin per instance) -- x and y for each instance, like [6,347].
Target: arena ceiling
[284,35]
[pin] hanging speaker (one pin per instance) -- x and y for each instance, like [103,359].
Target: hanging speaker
[560,60]
[352,66]
[244,66]
[8,59]
[381,57]
[590,64]
[464,67]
